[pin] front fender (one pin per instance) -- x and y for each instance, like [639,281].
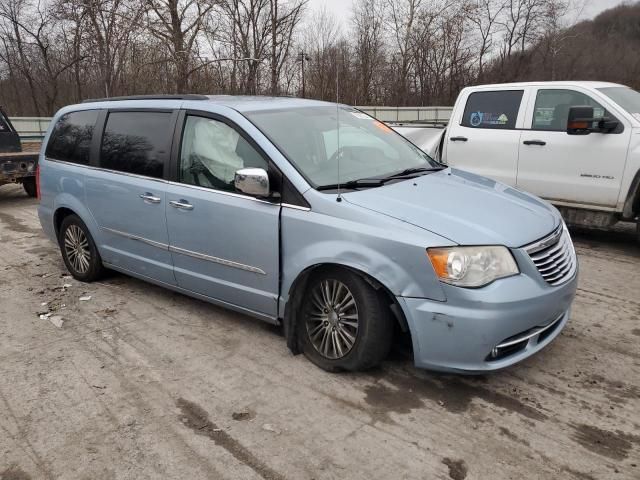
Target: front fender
[390,251]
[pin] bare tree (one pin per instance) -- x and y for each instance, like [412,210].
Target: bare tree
[321,38]
[484,15]
[177,24]
[369,46]
[283,19]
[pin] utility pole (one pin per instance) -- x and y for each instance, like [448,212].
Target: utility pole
[302,56]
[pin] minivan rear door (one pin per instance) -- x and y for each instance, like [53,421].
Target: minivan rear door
[225,245]
[127,194]
[483,136]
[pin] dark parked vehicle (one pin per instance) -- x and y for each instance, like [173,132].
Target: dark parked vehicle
[16,166]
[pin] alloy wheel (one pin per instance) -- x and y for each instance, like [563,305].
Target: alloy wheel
[332,319]
[76,247]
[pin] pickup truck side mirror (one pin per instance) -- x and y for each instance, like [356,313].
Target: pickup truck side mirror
[580,120]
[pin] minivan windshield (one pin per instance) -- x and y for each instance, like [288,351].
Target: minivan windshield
[368,149]
[626,97]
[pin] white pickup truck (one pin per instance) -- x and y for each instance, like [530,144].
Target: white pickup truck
[576,144]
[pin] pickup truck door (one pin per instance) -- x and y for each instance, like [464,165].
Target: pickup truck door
[483,136]
[570,169]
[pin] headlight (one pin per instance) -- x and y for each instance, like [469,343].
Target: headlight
[472,266]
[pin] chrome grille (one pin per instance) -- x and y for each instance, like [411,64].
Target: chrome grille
[554,256]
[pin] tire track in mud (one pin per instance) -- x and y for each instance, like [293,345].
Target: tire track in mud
[197,419]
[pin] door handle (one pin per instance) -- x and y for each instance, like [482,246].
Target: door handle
[150,198]
[458,139]
[535,142]
[181,204]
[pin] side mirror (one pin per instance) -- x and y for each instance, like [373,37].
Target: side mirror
[580,120]
[608,124]
[252,181]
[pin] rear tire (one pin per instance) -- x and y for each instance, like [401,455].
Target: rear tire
[345,322]
[29,185]
[79,251]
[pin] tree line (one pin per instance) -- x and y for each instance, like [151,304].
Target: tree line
[390,52]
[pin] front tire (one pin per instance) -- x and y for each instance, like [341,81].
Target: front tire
[346,323]
[79,251]
[29,185]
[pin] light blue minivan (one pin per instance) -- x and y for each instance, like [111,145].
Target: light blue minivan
[311,215]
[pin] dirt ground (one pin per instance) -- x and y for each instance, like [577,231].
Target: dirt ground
[139,382]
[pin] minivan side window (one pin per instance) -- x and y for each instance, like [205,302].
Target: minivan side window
[211,153]
[551,111]
[137,142]
[496,110]
[70,139]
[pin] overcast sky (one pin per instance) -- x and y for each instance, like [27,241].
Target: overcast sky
[342,8]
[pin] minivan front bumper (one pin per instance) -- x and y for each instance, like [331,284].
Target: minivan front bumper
[486,329]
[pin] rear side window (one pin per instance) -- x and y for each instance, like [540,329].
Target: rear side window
[136,142]
[70,138]
[497,110]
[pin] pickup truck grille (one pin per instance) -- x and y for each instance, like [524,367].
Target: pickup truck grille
[554,256]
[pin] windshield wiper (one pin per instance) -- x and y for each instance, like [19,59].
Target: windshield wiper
[352,184]
[378,182]
[413,170]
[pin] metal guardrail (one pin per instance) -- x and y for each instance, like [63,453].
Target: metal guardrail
[31,128]
[34,128]
[439,115]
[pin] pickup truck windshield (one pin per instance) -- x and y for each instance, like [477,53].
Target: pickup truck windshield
[625,97]
[308,136]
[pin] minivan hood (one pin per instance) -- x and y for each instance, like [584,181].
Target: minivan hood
[465,208]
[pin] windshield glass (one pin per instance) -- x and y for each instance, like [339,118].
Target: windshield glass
[308,136]
[625,97]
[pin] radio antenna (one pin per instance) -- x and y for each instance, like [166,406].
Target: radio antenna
[338,153]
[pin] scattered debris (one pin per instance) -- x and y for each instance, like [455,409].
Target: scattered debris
[85,298]
[101,387]
[57,320]
[243,415]
[44,304]
[270,428]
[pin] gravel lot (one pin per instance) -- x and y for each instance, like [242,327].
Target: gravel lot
[142,383]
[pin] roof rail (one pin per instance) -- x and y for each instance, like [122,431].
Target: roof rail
[189,96]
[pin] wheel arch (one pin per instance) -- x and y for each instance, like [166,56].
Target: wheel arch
[632,204]
[58,217]
[295,295]
[66,205]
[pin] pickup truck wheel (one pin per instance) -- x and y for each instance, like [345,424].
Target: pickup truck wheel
[346,323]
[29,185]
[79,251]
